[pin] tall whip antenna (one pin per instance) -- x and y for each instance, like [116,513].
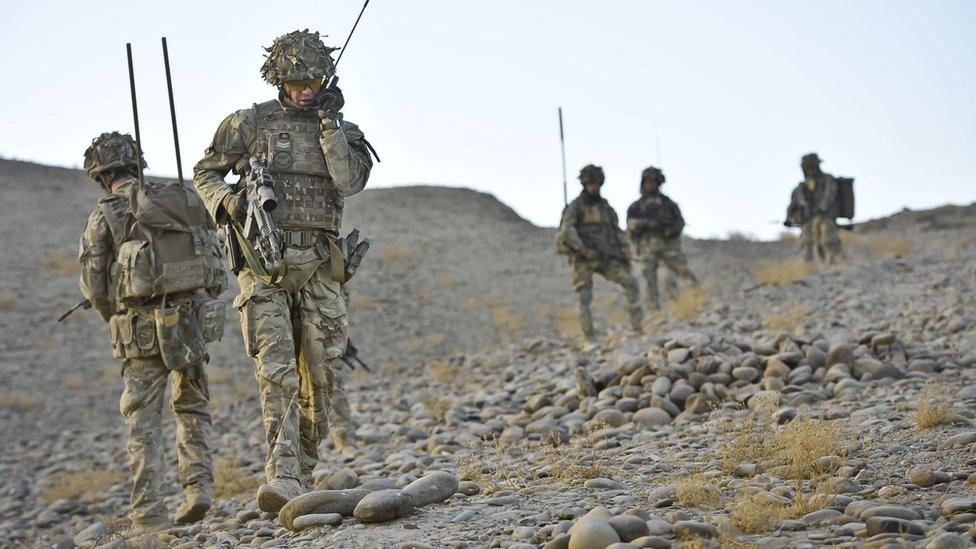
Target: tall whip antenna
[172,110]
[135,111]
[343,50]
[562,147]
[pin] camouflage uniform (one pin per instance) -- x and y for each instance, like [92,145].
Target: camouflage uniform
[144,374]
[814,207]
[590,234]
[294,329]
[342,428]
[654,224]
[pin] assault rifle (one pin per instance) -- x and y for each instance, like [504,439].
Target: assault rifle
[83,304]
[789,224]
[260,228]
[351,357]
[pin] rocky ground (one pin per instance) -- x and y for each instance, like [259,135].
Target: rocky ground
[775,406]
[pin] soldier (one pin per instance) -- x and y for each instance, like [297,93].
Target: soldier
[589,233]
[815,206]
[110,278]
[342,430]
[295,328]
[654,224]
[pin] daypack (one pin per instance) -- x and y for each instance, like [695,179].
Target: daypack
[169,244]
[845,191]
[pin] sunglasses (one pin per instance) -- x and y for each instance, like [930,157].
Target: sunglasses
[297,86]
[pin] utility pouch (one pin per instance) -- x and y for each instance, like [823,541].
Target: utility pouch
[181,343]
[212,316]
[118,350]
[133,335]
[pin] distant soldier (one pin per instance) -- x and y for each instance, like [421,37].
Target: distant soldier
[590,234]
[654,224]
[158,321]
[294,328]
[815,205]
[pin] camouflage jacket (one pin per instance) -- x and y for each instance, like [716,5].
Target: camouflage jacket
[346,155]
[591,223]
[97,251]
[654,215]
[823,200]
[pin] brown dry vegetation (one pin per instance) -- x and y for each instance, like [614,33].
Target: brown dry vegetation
[62,263]
[878,246]
[739,236]
[19,401]
[230,479]
[391,254]
[689,303]
[6,298]
[783,272]
[696,491]
[76,484]
[792,320]
[933,407]
[788,237]
[443,370]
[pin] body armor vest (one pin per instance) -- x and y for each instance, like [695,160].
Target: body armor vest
[288,140]
[595,227]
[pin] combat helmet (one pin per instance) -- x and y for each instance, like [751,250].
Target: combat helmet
[298,55]
[810,160]
[656,173]
[591,173]
[112,151]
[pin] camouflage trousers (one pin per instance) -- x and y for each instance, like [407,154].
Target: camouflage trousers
[614,270]
[820,234]
[343,429]
[144,381]
[295,331]
[650,254]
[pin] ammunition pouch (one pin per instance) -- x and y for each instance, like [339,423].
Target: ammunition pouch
[181,340]
[133,335]
[212,317]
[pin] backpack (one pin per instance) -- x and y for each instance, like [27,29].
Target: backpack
[168,244]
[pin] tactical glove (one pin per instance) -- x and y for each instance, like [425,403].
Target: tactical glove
[235,204]
[331,103]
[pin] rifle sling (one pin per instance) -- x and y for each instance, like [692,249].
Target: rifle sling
[251,256]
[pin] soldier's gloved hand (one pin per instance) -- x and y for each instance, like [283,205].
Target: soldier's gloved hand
[235,204]
[330,107]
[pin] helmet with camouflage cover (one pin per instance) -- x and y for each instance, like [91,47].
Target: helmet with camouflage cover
[591,173]
[810,160]
[652,172]
[298,55]
[112,151]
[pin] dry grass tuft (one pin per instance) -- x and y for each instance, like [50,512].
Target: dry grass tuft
[788,237]
[6,298]
[567,323]
[76,382]
[784,272]
[62,263]
[391,254]
[791,321]
[444,371]
[230,479]
[365,303]
[739,236]
[696,491]
[801,442]
[21,402]
[76,484]
[933,407]
[577,460]
[750,515]
[413,344]
[437,405]
[689,303]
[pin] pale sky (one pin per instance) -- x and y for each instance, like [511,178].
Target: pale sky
[465,93]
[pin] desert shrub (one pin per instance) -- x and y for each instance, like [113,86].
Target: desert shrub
[788,237]
[689,303]
[77,484]
[933,407]
[19,401]
[444,371]
[231,479]
[791,321]
[391,254]
[6,298]
[783,272]
[696,491]
[62,263]
[739,236]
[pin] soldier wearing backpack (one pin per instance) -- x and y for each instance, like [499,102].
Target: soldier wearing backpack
[151,266]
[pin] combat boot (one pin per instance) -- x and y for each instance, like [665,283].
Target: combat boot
[197,500]
[149,525]
[274,495]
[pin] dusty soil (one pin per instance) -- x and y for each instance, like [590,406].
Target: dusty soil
[775,406]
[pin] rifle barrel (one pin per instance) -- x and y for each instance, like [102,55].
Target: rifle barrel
[135,110]
[172,110]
